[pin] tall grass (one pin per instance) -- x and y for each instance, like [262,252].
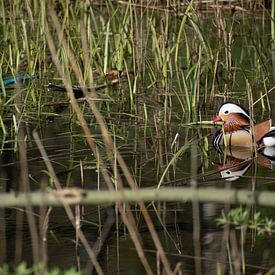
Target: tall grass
[174,64]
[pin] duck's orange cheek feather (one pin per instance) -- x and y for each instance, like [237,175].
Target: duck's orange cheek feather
[234,122]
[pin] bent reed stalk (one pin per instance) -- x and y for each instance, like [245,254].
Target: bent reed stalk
[75,196]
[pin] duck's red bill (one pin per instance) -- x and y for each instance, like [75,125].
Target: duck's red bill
[216,119]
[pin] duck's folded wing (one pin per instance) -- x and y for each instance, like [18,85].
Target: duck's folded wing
[262,129]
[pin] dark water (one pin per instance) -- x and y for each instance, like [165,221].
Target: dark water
[173,221]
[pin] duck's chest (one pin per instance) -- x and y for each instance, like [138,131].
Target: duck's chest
[241,138]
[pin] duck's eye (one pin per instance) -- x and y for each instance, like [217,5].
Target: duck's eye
[226,112]
[228,172]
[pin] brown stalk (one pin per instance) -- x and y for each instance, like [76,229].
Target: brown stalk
[18,237]
[195,210]
[44,224]
[106,229]
[66,206]
[131,225]
[3,243]
[29,11]
[25,185]
[111,150]
[235,254]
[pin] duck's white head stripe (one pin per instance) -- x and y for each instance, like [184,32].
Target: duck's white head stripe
[229,108]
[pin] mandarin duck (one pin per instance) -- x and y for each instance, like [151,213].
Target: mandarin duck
[236,129]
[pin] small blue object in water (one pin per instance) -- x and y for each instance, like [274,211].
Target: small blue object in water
[12,80]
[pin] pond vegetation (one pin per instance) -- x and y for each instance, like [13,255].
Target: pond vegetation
[119,96]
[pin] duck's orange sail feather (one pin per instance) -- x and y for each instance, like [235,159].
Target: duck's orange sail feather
[262,129]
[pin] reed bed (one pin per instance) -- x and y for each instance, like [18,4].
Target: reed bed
[161,66]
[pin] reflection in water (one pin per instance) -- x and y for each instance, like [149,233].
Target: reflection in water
[238,160]
[116,252]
